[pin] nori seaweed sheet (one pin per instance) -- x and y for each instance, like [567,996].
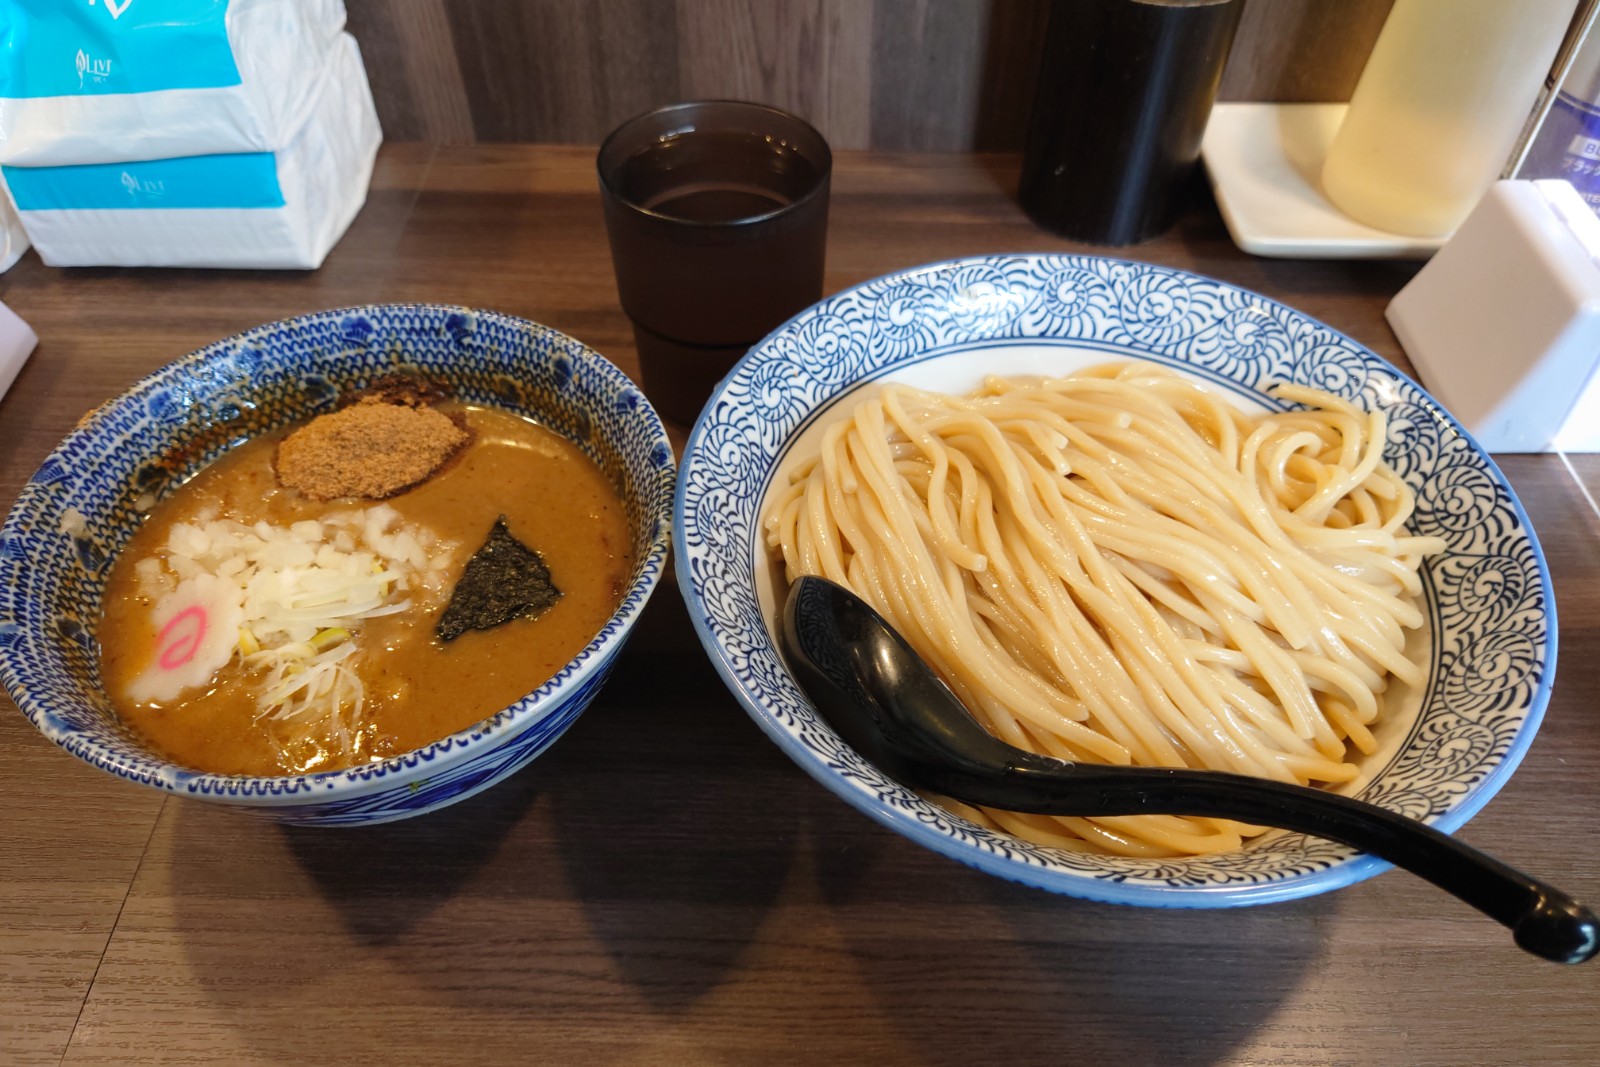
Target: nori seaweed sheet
[504,580]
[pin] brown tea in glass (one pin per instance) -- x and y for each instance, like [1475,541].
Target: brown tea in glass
[717,214]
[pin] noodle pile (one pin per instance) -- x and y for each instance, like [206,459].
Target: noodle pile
[1119,567]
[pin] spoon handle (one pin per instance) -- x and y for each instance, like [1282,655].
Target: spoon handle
[1544,920]
[884,700]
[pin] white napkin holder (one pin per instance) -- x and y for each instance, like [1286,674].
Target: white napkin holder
[1503,324]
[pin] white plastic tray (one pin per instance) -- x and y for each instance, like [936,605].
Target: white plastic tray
[1264,161]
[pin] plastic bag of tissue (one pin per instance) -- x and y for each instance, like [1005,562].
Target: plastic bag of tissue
[17,341]
[107,81]
[13,238]
[254,209]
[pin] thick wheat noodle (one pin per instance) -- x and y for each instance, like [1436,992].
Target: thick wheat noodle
[1121,567]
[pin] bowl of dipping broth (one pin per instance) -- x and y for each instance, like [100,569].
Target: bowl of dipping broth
[341,569]
[1130,515]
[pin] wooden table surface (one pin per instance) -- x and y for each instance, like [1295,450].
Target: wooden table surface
[663,886]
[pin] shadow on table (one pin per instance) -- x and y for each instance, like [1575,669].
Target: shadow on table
[623,856]
[1036,977]
[383,880]
[639,864]
[635,821]
[667,831]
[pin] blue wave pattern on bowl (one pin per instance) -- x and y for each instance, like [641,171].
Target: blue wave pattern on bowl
[88,497]
[1492,612]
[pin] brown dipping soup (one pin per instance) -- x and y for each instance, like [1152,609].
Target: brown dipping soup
[417,688]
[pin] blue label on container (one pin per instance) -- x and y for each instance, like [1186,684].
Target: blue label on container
[96,47]
[248,179]
[1568,146]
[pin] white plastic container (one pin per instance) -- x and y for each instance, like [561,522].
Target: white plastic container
[121,80]
[266,210]
[1503,324]
[1440,104]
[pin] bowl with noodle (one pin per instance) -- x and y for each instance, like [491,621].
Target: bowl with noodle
[1135,516]
[282,650]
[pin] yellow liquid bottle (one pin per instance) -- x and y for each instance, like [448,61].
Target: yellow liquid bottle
[1438,109]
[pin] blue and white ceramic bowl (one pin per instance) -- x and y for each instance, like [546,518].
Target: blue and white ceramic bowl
[1491,638]
[54,566]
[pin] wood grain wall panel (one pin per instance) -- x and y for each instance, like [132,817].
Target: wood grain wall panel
[563,70]
[928,75]
[415,69]
[810,57]
[433,68]
[927,66]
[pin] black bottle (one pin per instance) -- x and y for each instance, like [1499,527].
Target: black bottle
[1124,92]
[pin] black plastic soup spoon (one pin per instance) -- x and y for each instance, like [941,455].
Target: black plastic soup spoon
[890,706]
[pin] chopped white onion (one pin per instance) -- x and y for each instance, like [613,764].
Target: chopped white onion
[289,600]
